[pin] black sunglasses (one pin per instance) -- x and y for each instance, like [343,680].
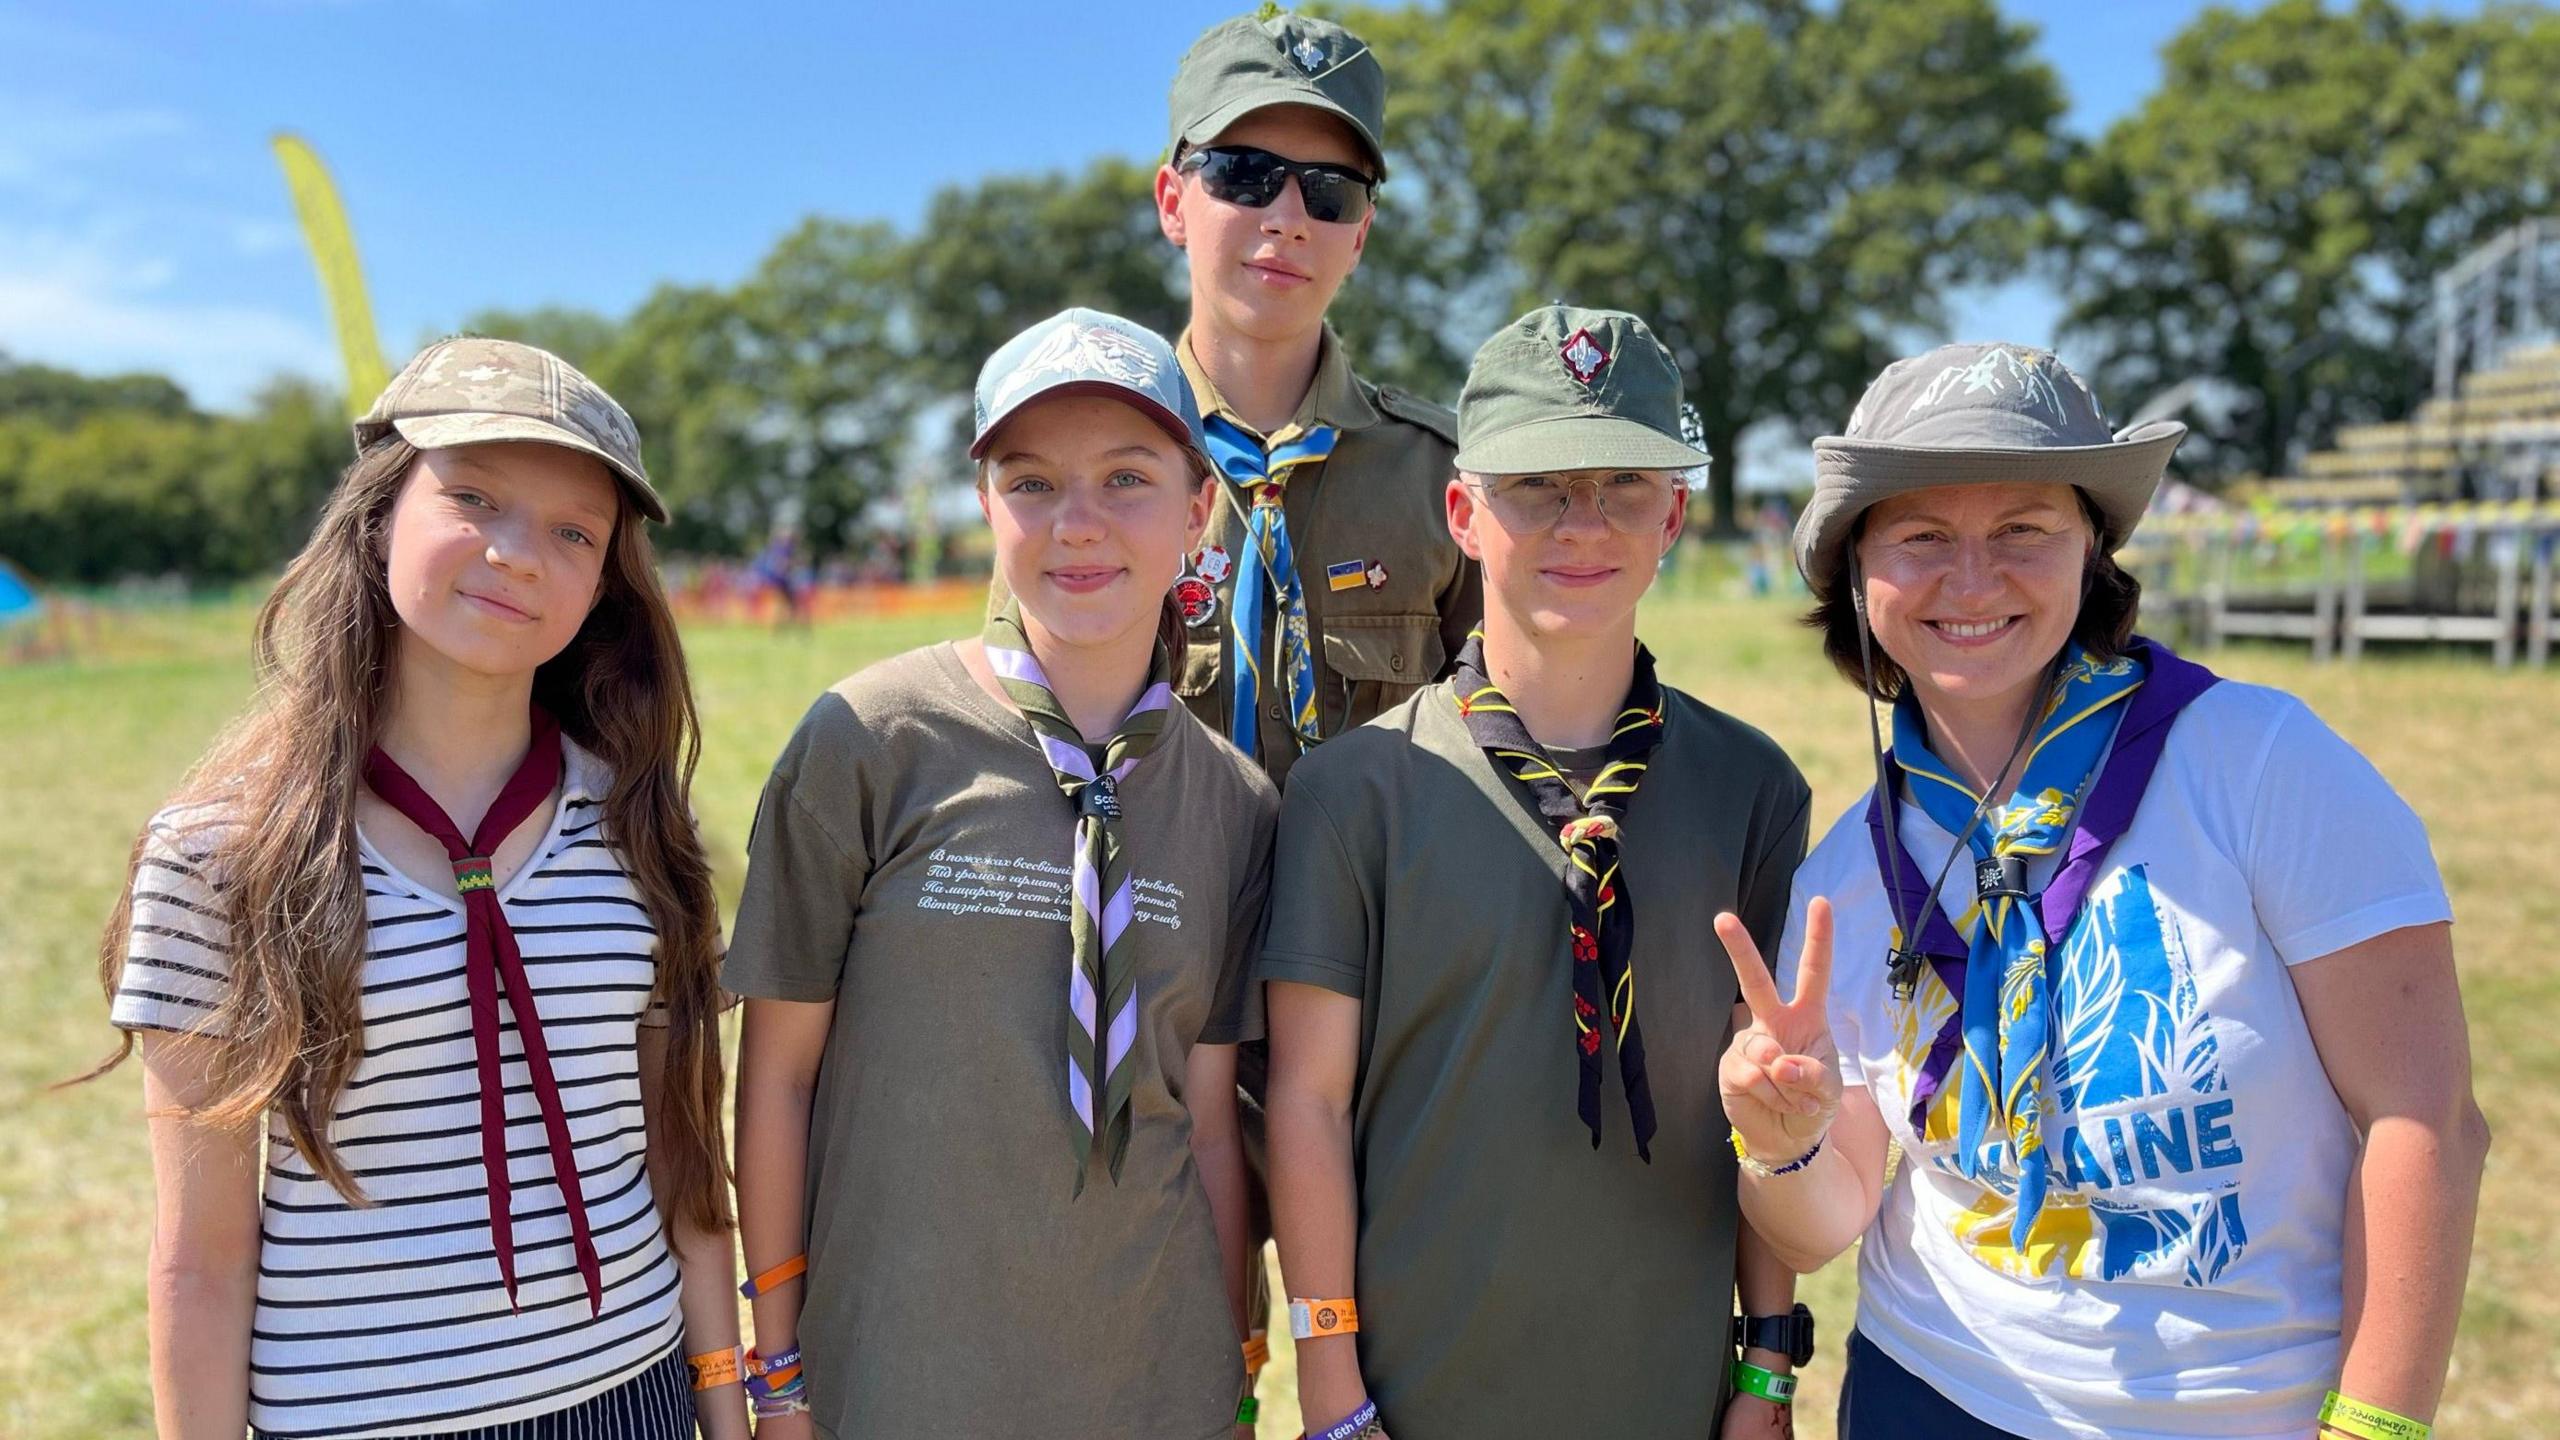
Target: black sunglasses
[1243,175]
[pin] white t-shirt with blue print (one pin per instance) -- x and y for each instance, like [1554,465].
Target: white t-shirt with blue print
[2183,1277]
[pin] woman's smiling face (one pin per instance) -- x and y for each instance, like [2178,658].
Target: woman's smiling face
[1973,589]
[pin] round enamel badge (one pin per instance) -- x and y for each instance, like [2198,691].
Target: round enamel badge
[1198,599]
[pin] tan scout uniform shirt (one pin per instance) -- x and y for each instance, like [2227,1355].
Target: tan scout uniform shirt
[910,863]
[1377,500]
[1512,1280]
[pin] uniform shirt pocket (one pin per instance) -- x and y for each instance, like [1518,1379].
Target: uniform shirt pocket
[1375,662]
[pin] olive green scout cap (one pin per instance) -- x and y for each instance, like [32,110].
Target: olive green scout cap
[471,391]
[1563,388]
[1243,65]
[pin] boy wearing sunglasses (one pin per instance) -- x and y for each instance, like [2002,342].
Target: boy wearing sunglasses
[1500,1170]
[1326,589]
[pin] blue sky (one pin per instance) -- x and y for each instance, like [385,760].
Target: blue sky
[521,154]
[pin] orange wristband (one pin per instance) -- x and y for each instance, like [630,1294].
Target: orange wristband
[791,1269]
[1257,1353]
[1315,1319]
[713,1368]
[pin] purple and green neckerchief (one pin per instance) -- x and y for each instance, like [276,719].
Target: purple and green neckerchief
[1102,980]
[2106,814]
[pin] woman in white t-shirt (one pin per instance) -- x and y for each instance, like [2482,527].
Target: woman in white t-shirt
[2168,1035]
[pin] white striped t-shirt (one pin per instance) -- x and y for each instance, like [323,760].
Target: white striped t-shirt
[392,1320]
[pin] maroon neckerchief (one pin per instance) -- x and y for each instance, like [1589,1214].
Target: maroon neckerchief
[490,955]
[2108,812]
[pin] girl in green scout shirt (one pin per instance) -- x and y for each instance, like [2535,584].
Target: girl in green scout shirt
[1500,1171]
[1002,897]
[1328,588]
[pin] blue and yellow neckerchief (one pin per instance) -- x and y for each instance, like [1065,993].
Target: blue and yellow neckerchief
[2007,992]
[1266,573]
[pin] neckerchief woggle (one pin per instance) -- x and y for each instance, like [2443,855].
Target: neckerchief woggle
[1102,977]
[1267,576]
[1601,917]
[490,956]
[2155,686]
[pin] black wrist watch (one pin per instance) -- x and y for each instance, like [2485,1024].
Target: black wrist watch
[1790,1335]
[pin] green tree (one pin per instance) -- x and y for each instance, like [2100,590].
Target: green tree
[829,354]
[678,364]
[581,337]
[1785,191]
[62,397]
[2275,214]
[262,477]
[995,256]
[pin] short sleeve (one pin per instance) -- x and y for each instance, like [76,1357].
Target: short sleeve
[177,967]
[1844,1030]
[1765,895]
[1235,1017]
[805,873]
[2334,856]
[1321,924]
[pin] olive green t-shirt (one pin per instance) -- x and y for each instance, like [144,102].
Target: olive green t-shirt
[910,863]
[1371,514]
[1512,1280]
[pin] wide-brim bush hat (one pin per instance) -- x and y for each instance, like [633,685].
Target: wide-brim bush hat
[1977,414]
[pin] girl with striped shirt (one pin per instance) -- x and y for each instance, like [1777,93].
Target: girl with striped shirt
[435,912]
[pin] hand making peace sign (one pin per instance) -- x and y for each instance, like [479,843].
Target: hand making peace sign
[1781,1076]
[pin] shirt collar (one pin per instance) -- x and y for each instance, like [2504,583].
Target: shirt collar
[583,775]
[1335,398]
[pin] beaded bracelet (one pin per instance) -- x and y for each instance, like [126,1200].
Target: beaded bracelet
[1763,1168]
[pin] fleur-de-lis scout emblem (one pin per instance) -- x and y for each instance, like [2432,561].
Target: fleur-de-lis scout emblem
[1308,54]
[1377,576]
[1213,563]
[1584,358]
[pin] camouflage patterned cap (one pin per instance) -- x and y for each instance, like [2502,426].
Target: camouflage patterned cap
[1562,388]
[1243,65]
[472,391]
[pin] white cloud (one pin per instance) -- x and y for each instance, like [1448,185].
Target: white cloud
[67,301]
[45,145]
[97,255]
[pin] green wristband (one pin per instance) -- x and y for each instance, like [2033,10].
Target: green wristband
[1248,1410]
[1769,1385]
[2369,1422]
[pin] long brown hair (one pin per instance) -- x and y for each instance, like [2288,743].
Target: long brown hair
[291,1023]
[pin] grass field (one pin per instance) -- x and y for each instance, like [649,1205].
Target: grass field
[87,749]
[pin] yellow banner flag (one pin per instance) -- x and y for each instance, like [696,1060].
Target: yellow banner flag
[333,252]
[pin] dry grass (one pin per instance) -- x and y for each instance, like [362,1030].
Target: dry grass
[88,749]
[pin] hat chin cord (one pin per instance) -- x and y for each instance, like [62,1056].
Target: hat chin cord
[1903,961]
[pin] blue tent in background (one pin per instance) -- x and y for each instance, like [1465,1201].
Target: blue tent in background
[18,600]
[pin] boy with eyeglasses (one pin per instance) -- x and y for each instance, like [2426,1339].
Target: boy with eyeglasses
[1501,1171]
[1326,589]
